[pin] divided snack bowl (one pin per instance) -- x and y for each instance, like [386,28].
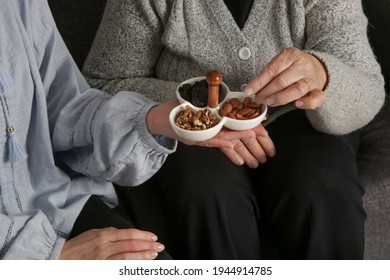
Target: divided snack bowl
[204,134]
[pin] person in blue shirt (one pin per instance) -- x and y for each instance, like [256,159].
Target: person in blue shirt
[63,144]
[312,63]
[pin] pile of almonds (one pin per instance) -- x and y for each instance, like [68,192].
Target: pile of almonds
[191,119]
[235,109]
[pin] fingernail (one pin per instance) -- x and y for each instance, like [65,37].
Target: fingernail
[248,91]
[299,104]
[258,100]
[160,248]
[154,255]
[270,101]
[154,238]
[239,161]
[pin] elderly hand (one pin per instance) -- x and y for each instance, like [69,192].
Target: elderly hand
[291,76]
[251,151]
[111,243]
[249,147]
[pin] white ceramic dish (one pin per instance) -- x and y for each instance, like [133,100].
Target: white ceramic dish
[194,135]
[234,124]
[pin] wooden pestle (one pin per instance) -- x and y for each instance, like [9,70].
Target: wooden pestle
[214,79]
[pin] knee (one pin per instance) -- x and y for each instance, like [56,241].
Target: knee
[220,191]
[321,185]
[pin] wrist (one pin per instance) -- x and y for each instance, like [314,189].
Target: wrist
[322,72]
[157,121]
[151,118]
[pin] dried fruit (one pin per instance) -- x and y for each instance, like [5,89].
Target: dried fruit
[197,93]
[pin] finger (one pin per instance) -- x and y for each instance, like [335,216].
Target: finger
[260,131]
[243,151]
[277,65]
[145,255]
[311,100]
[131,246]
[256,151]
[228,134]
[233,156]
[225,137]
[267,145]
[130,233]
[284,80]
[289,94]
[217,143]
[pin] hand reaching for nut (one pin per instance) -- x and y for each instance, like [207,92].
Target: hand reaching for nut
[293,76]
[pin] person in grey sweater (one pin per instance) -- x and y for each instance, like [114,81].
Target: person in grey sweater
[311,62]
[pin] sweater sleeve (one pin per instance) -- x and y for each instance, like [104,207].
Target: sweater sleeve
[127,47]
[337,35]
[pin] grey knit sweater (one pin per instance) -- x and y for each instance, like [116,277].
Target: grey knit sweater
[149,46]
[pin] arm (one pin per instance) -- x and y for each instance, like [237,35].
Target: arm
[127,48]
[337,66]
[76,115]
[103,137]
[337,35]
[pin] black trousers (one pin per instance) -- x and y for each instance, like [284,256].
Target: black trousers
[96,214]
[305,203]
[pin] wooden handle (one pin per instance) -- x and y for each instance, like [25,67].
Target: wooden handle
[214,80]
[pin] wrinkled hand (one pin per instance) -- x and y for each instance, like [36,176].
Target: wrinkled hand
[112,243]
[291,76]
[251,151]
[249,147]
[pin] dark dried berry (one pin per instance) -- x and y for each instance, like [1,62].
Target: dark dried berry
[197,94]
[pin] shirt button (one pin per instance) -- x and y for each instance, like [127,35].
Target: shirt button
[244,53]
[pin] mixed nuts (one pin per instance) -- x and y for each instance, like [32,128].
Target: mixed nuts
[192,119]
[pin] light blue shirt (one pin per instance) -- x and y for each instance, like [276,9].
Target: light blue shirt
[59,121]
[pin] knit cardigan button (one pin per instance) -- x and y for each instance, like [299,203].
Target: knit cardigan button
[244,53]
